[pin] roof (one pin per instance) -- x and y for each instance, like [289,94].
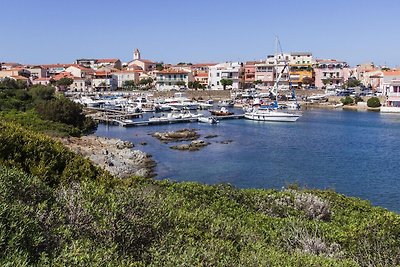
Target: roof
[82,68]
[301,54]
[58,65]
[18,77]
[107,60]
[203,64]
[391,73]
[202,74]
[64,75]
[43,79]
[172,71]
[144,61]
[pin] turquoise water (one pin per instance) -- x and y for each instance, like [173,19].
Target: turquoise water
[354,153]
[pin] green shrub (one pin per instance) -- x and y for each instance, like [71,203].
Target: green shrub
[347,100]
[373,102]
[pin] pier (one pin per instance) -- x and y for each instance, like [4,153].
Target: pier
[130,123]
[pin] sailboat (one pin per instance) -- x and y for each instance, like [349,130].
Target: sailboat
[274,112]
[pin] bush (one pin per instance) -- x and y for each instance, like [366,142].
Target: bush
[347,101]
[373,102]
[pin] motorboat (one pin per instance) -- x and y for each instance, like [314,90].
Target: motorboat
[209,120]
[222,112]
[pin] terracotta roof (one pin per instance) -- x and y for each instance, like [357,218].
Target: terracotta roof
[64,75]
[107,60]
[172,71]
[47,66]
[82,68]
[391,73]
[202,74]
[203,64]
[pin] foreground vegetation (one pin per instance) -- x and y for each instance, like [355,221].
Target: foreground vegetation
[41,109]
[57,209]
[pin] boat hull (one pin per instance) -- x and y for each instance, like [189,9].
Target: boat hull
[272,116]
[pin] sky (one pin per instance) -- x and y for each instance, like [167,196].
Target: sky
[172,31]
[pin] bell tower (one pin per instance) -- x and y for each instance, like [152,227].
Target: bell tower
[136,54]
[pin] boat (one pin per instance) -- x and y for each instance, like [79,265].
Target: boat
[222,112]
[209,120]
[274,112]
[225,103]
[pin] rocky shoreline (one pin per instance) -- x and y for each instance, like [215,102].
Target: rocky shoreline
[113,155]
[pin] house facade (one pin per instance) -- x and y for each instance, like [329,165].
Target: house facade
[172,79]
[227,71]
[330,73]
[126,75]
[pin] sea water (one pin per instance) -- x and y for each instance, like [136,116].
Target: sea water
[354,153]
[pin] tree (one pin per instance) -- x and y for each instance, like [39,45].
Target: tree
[226,82]
[352,82]
[180,83]
[195,85]
[65,111]
[159,66]
[257,82]
[42,92]
[129,84]
[63,83]
[373,102]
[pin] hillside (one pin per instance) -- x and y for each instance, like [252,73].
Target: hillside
[58,209]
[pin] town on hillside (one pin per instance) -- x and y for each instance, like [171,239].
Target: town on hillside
[304,72]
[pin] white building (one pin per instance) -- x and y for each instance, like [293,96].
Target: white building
[172,79]
[227,71]
[126,75]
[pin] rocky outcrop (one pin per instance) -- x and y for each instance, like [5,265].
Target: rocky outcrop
[193,146]
[113,155]
[180,135]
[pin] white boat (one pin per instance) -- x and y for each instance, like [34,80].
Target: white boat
[271,115]
[209,120]
[274,113]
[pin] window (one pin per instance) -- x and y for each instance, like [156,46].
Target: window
[217,83]
[217,74]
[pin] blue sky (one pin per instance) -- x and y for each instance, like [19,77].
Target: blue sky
[49,31]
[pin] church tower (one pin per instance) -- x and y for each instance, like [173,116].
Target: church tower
[136,54]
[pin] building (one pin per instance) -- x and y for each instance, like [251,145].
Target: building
[172,79]
[389,83]
[15,72]
[54,69]
[37,72]
[330,73]
[227,71]
[104,81]
[300,69]
[202,78]
[126,75]
[96,64]
[249,73]
[144,64]
[373,79]
[79,71]
[265,71]
[42,81]
[111,63]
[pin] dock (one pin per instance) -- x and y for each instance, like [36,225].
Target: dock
[130,123]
